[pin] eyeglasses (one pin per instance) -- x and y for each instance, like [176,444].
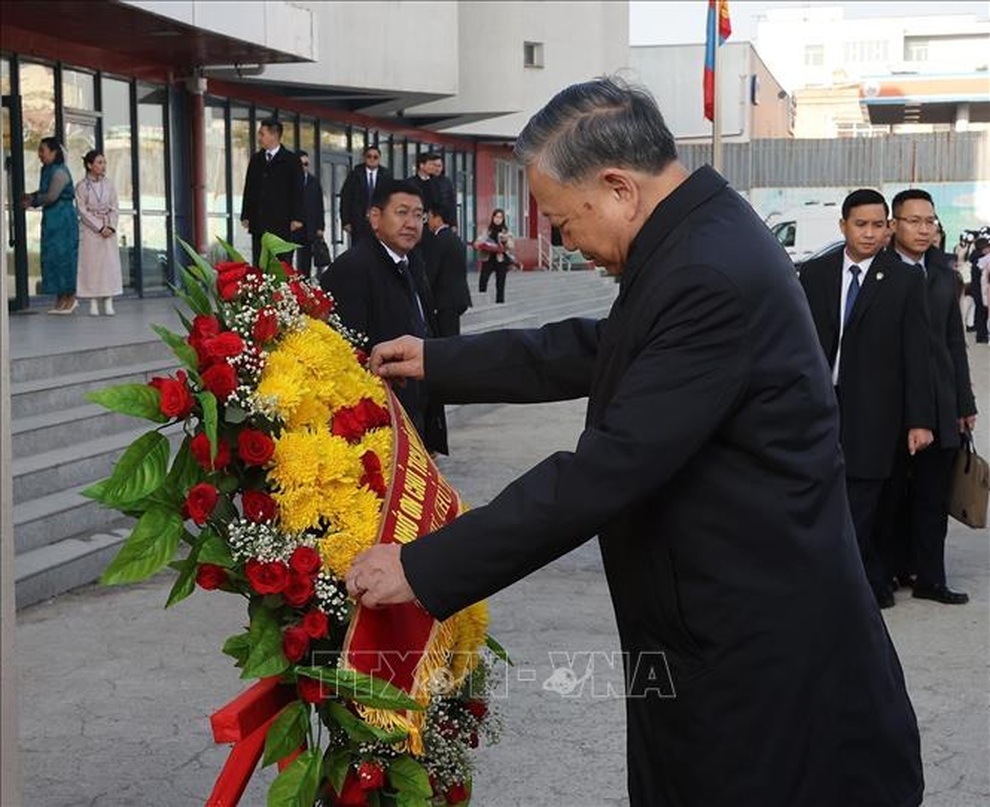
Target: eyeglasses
[917,221]
[305,165]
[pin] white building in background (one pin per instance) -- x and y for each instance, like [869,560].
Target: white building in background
[824,59]
[753,103]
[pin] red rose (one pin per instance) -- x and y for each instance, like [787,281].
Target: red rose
[456,794]
[372,415]
[477,708]
[361,356]
[298,591]
[320,304]
[351,794]
[267,578]
[199,447]
[201,501]
[265,326]
[175,399]
[255,447]
[224,345]
[310,690]
[203,327]
[258,506]
[210,577]
[316,624]
[305,560]
[221,380]
[295,643]
[346,424]
[228,291]
[226,268]
[373,477]
[290,271]
[370,775]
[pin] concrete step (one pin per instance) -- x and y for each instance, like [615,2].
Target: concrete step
[76,464]
[53,569]
[48,519]
[40,433]
[55,365]
[42,395]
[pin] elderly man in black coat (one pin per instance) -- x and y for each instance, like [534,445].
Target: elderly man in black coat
[759,670]
[380,289]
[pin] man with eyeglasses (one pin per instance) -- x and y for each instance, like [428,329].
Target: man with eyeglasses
[926,505]
[380,289]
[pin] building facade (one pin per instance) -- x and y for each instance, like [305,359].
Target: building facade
[172,93]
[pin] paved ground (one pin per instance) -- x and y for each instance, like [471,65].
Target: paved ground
[115,692]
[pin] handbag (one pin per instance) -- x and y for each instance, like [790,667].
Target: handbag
[321,252]
[970,486]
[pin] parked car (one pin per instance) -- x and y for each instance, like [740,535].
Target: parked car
[834,246]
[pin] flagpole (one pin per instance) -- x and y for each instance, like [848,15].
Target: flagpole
[716,107]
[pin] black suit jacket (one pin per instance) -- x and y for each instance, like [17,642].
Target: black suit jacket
[314,213]
[446,271]
[885,378]
[953,391]
[354,200]
[273,193]
[711,471]
[371,297]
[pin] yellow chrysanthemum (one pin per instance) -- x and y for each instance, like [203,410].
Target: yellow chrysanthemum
[380,442]
[470,629]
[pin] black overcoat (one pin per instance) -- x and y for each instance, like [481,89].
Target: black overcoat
[446,270]
[273,193]
[371,297]
[885,377]
[759,670]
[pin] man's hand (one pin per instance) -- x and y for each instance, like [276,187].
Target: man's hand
[295,225]
[918,439]
[245,224]
[376,577]
[398,358]
[967,424]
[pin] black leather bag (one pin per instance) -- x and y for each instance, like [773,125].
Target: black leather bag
[321,253]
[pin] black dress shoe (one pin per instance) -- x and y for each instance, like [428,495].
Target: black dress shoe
[942,594]
[885,597]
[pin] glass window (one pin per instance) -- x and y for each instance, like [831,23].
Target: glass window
[290,138]
[125,241]
[5,78]
[242,139]
[359,137]
[307,138]
[80,137]
[333,137]
[78,90]
[814,55]
[37,121]
[153,182]
[116,100]
[532,54]
[154,251]
[398,166]
[215,135]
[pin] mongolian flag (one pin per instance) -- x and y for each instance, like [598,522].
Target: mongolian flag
[718,21]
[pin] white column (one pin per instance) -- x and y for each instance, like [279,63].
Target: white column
[962,117]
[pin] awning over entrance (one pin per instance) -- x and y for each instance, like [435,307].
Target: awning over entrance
[926,99]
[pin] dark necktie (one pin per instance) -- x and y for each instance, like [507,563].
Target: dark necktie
[852,293]
[419,324]
[268,156]
[921,266]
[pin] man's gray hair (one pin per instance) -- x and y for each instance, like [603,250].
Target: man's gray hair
[604,122]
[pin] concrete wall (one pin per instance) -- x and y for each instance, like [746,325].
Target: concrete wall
[580,41]
[283,26]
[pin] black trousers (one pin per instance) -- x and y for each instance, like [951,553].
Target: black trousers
[448,322]
[892,531]
[864,503]
[500,269]
[304,261]
[928,511]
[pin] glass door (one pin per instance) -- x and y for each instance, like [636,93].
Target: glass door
[334,167]
[15,230]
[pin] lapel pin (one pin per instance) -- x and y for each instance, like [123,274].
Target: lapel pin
[879,275]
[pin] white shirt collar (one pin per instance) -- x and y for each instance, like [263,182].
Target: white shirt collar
[909,260]
[272,152]
[395,256]
[863,264]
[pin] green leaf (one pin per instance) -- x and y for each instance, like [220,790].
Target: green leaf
[184,473]
[228,483]
[138,400]
[408,776]
[365,689]
[231,251]
[271,247]
[214,550]
[185,583]
[208,401]
[498,650]
[184,320]
[237,647]
[287,732]
[335,767]
[298,784]
[148,548]
[404,799]
[96,491]
[234,414]
[183,351]
[358,730]
[198,300]
[266,657]
[201,267]
[140,470]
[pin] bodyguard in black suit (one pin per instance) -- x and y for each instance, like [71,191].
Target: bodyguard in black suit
[272,201]
[446,271]
[379,287]
[759,670]
[871,318]
[930,472]
[357,192]
[314,217]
